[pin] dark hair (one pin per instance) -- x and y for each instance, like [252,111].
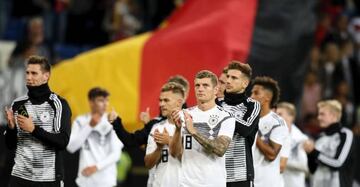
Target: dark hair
[42,61]
[207,74]
[243,68]
[97,92]
[174,87]
[180,80]
[269,84]
[225,70]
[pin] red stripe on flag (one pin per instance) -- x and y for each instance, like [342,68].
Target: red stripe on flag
[203,34]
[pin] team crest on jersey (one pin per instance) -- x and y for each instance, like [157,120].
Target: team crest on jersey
[45,116]
[213,119]
[238,115]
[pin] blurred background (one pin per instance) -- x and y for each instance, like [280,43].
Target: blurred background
[131,47]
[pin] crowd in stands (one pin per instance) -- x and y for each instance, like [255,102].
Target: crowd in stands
[334,64]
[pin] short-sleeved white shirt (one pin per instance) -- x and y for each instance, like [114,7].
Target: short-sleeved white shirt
[285,153]
[296,169]
[166,172]
[267,173]
[201,168]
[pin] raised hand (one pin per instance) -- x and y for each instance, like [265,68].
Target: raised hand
[9,114]
[189,123]
[309,146]
[25,123]
[112,115]
[145,116]
[162,138]
[175,117]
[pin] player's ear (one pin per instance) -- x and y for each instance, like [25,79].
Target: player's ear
[246,83]
[268,96]
[180,101]
[216,89]
[46,76]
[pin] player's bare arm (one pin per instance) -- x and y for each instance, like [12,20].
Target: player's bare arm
[175,146]
[270,150]
[217,146]
[153,158]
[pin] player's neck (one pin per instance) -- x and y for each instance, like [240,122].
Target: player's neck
[94,112]
[170,120]
[264,111]
[206,105]
[290,127]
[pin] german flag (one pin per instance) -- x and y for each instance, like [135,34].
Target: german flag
[202,34]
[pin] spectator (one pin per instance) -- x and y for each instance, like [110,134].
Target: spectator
[348,112]
[120,21]
[327,71]
[84,16]
[340,32]
[311,95]
[315,58]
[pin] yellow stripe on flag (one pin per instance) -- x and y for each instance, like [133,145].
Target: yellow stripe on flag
[115,67]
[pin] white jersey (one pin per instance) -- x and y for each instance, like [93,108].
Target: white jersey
[98,146]
[285,153]
[267,173]
[296,168]
[166,172]
[201,168]
[151,177]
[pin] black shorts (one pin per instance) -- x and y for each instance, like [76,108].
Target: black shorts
[240,184]
[19,182]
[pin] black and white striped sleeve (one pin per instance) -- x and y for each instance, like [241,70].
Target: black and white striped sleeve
[10,138]
[137,138]
[11,134]
[62,127]
[342,152]
[250,120]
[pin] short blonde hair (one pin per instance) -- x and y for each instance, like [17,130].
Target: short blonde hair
[333,105]
[174,87]
[180,80]
[290,108]
[207,74]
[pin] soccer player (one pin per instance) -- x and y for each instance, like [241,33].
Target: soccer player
[145,116]
[330,157]
[164,166]
[295,168]
[206,137]
[139,137]
[271,136]
[38,129]
[183,82]
[222,84]
[239,160]
[99,146]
